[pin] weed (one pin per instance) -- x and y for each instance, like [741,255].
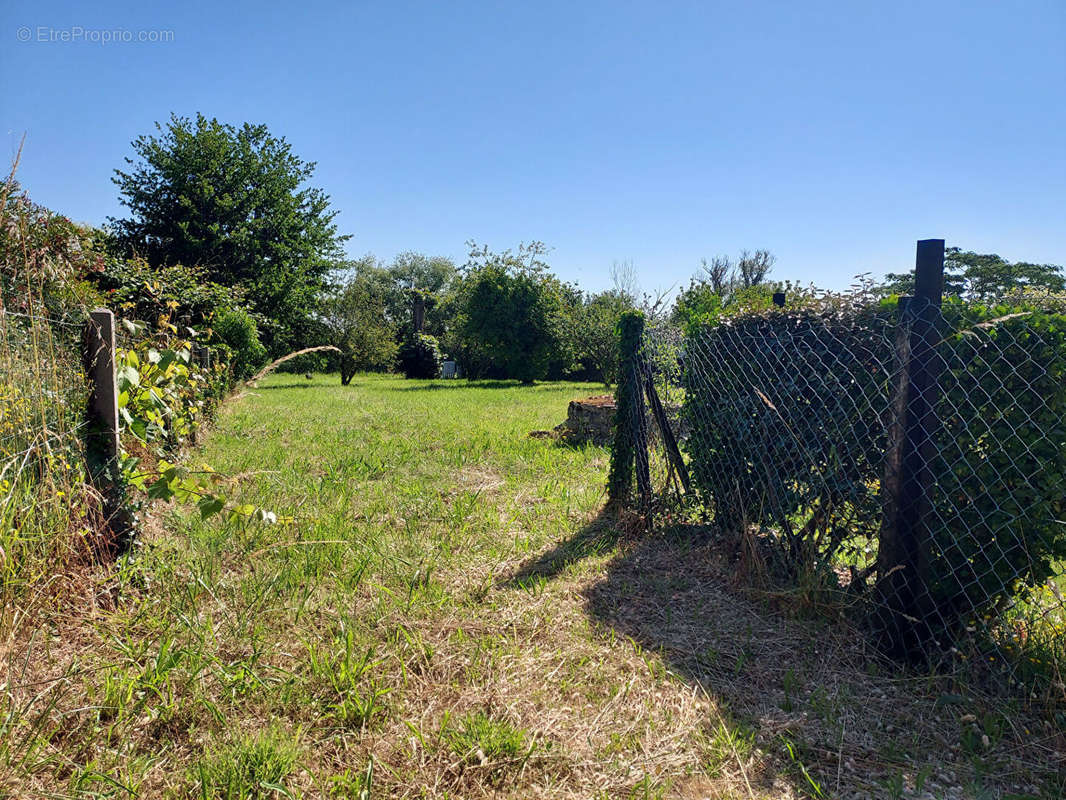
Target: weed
[248,767]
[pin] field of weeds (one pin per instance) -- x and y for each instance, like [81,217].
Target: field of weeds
[450,614]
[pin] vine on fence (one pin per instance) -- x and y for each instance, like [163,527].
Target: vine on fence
[627,395]
[165,395]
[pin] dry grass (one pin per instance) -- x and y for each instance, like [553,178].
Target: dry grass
[452,616]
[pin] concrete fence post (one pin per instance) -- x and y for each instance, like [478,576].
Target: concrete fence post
[102,447]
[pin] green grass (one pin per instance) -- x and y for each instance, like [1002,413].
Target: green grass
[449,614]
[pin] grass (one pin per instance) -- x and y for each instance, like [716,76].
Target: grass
[451,615]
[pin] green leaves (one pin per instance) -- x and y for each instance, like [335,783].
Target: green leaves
[233,198]
[509,314]
[161,403]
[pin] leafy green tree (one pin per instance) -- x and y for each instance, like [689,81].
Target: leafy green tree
[509,314]
[355,317]
[234,202]
[596,333]
[698,304]
[416,278]
[983,276]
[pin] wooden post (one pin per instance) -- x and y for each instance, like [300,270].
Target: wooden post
[101,428]
[673,453]
[99,359]
[201,354]
[641,432]
[904,607]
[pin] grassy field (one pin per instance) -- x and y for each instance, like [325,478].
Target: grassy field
[449,614]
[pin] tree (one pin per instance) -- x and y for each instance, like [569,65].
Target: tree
[752,268]
[983,276]
[719,274]
[419,282]
[722,284]
[354,316]
[233,201]
[596,332]
[509,312]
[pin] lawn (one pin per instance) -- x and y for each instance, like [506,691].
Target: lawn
[450,614]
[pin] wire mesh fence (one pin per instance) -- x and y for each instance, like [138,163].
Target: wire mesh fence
[49,513]
[906,465]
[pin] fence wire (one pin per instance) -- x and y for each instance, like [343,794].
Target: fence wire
[908,465]
[46,506]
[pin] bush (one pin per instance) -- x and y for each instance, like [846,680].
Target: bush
[803,454]
[420,357]
[788,414]
[138,290]
[1000,466]
[237,331]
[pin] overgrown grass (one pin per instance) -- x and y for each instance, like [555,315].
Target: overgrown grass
[449,615]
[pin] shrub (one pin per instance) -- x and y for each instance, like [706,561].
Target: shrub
[137,290]
[420,357]
[788,414]
[786,431]
[237,331]
[1000,466]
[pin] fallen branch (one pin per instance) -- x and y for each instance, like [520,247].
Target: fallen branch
[274,364]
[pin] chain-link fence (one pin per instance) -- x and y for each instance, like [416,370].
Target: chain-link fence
[906,464]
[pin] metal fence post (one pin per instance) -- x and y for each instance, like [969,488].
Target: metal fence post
[101,418]
[903,600]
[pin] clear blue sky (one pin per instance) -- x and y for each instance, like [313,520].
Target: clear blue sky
[833,133]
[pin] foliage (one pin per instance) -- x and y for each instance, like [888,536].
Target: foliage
[236,334]
[137,290]
[1004,422]
[595,333]
[807,442]
[355,318]
[233,201]
[789,436]
[164,398]
[50,517]
[509,312]
[420,357]
[431,277]
[724,288]
[44,259]
[983,276]
[627,397]
[698,304]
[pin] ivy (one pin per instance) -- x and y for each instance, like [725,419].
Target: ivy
[623,451]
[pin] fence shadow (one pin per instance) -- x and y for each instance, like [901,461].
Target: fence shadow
[595,538]
[822,707]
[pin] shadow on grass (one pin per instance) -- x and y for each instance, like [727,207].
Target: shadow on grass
[304,385]
[461,383]
[596,538]
[828,717]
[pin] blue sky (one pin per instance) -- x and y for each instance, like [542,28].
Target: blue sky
[833,134]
